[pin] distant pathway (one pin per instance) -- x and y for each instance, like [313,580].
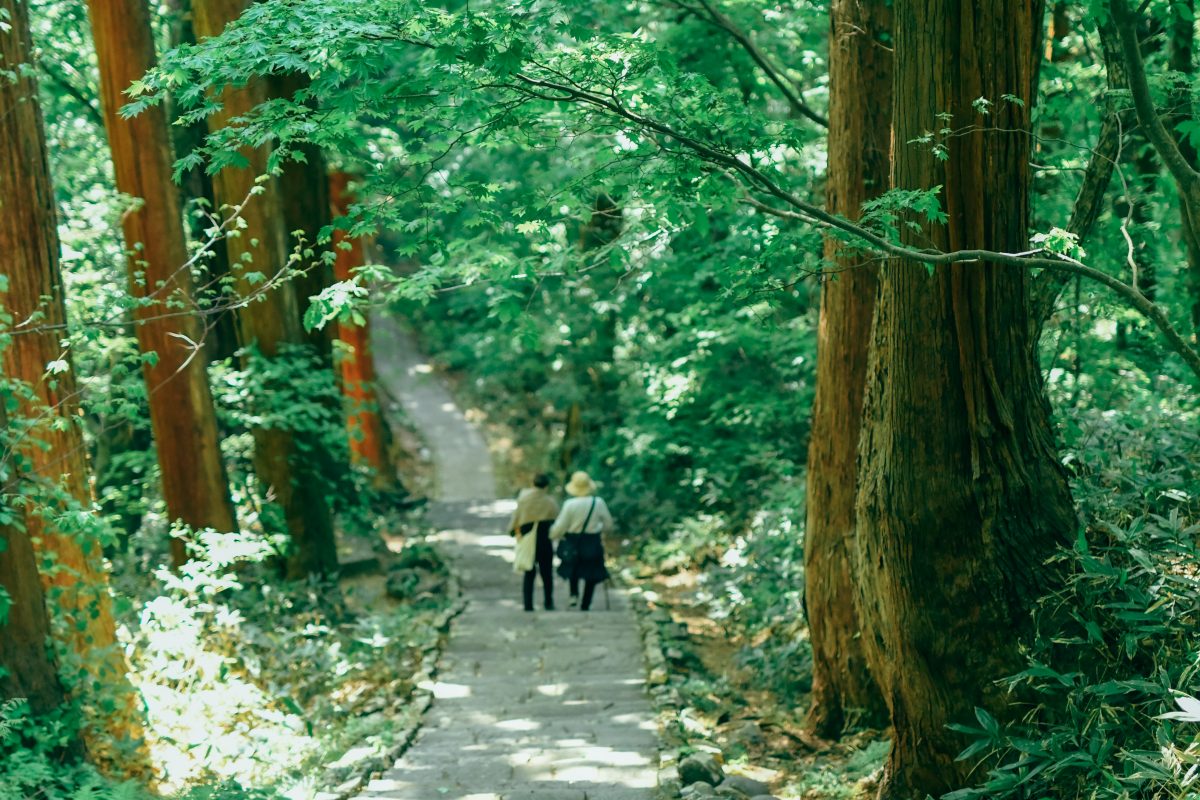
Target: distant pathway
[541,706]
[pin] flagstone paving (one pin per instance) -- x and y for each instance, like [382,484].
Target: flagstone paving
[548,705]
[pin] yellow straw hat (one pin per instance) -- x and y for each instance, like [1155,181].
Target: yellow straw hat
[581,485]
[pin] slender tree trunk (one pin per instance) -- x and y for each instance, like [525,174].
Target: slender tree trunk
[284,461]
[592,369]
[181,407]
[52,451]
[860,89]
[305,189]
[219,332]
[961,496]
[368,434]
[1144,187]
[1181,58]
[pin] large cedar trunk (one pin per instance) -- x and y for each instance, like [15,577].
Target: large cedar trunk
[284,463]
[961,497]
[860,88]
[27,668]
[53,450]
[181,406]
[368,434]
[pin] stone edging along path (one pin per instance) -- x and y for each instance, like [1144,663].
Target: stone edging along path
[543,705]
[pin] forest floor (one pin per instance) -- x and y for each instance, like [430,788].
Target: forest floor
[724,703]
[543,705]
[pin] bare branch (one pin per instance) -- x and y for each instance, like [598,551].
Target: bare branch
[714,16]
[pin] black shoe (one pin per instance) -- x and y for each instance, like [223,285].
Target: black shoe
[550,606]
[529,608]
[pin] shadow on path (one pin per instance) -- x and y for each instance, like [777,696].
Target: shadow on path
[545,705]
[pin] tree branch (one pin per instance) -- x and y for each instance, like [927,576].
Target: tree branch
[1143,103]
[1030,260]
[63,82]
[815,215]
[795,100]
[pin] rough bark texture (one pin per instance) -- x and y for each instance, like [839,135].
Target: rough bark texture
[961,496]
[27,668]
[220,327]
[181,407]
[368,436]
[860,89]
[76,585]
[284,460]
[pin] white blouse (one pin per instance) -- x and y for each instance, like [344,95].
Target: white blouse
[575,511]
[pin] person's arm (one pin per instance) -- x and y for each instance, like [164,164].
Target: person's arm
[559,528]
[607,526]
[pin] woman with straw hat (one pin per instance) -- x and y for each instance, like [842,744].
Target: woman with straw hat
[579,529]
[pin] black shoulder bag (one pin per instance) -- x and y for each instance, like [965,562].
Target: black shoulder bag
[568,551]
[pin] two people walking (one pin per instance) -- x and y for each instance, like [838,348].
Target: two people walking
[578,528]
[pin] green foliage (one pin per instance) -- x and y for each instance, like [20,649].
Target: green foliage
[1116,655]
[252,682]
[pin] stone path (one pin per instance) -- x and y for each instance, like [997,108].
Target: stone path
[545,706]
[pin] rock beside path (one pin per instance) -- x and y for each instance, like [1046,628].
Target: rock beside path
[700,767]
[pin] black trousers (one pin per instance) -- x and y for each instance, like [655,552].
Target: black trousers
[589,589]
[543,562]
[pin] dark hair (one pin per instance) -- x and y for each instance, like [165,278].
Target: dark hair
[541,480]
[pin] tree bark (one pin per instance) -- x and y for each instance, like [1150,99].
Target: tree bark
[284,460]
[181,407]
[368,434]
[961,497]
[51,451]
[860,90]
[305,189]
[27,666]
[219,333]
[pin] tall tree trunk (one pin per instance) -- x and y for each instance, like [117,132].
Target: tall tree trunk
[305,189]
[368,434]
[27,666]
[860,112]
[181,406]
[53,451]
[961,496]
[592,367]
[219,332]
[1181,59]
[284,461]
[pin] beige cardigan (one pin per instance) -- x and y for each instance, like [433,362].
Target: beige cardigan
[533,505]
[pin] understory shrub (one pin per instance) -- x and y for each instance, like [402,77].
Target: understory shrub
[1107,695]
